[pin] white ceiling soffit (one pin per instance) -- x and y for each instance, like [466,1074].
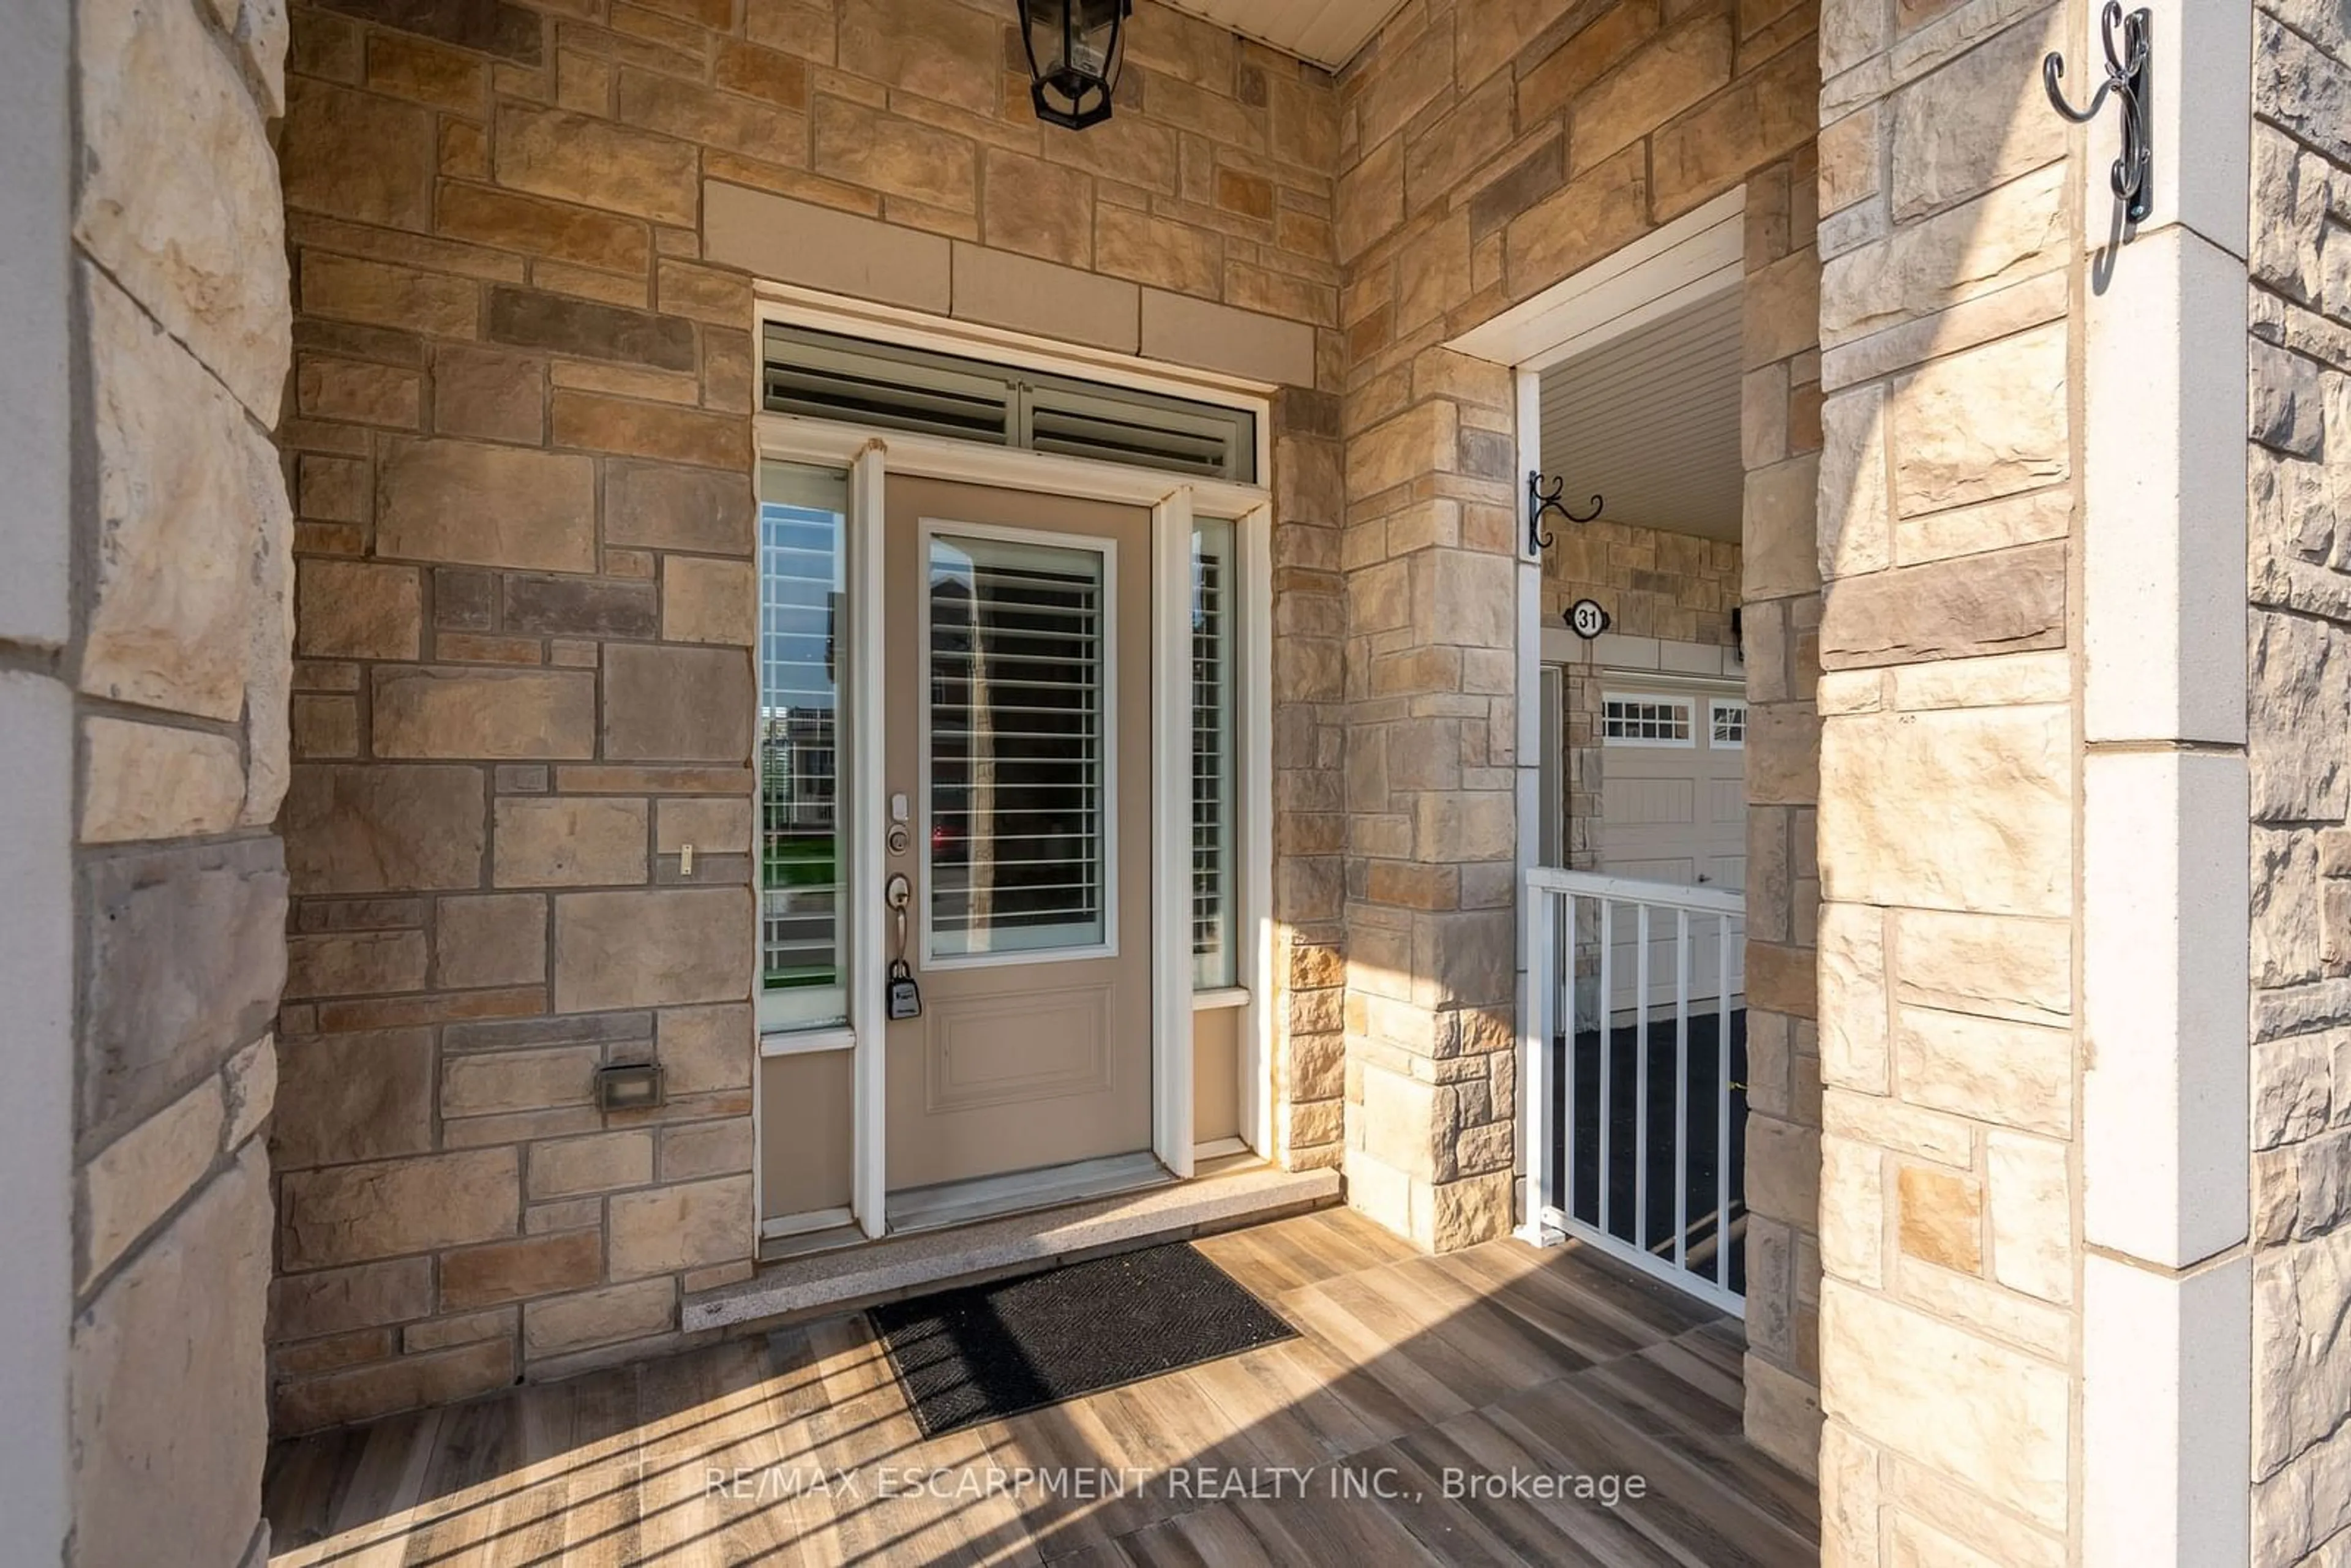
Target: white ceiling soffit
[1327,32]
[1649,422]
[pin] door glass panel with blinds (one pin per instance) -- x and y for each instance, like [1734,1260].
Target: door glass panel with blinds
[1021,857]
[802,898]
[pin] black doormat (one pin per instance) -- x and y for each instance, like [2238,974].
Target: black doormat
[987,1351]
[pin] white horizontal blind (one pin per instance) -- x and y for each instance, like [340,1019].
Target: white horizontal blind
[1213,924]
[1020,655]
[800,529]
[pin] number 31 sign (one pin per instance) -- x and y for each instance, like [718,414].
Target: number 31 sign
[1587,619]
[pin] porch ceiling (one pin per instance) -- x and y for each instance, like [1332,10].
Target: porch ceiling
[1327,32]
[1649,421]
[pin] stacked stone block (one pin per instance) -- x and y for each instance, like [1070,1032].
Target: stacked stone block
[177,656]
[1488,151]
[1949,1317]
[2299,669]
[520,436]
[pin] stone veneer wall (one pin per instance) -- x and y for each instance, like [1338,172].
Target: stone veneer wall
[157,683]
[523,239]
[1949,1320]
[1488,149]
[2300,668]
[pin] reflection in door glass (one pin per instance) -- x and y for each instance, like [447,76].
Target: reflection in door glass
[1018,754]
[802,638]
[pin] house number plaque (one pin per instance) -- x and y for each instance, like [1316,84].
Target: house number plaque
[1587,619]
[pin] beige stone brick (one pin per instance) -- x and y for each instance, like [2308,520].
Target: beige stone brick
[2012,233]
[177,194]
[169,1428]
[558,230]
[503,1272]
[357,610]
[1981,424]
[550,152]
[680,704]
[651,948]
[1599,210]
[1941,1218]
[574,1166]
[693,1225]
[438,1377]
[511,1083]
[709,602]
[466,1328]
[354,963]
[712,827]
[149,781]
[353,1213]
[336,1300]
[466,503]
[346,1097]
[1962,130]
[2030,1197]
[897,156]
[376,829]
[706,1149]
[1767,113]
[381,294]
[568,842]
[499,939]
[2014,1074]
[130,1185]
[361,394]
[2000,1417]
[706,1048]
[633,429]
[496,713]
[489,394]
[358,155]
[606,1316]
[190,524]
[1037,208]
[1660,81]
[1995,781]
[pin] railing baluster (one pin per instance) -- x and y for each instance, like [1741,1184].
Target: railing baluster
[1563,976]
[1722,1104]
[1607,1088]
[1641,1076]
[1681,1087]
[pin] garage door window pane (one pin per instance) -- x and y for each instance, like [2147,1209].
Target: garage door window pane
[1644,721]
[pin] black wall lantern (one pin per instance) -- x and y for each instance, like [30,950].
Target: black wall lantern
[1075,50]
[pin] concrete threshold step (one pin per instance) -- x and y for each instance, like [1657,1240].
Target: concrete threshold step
[851,1279]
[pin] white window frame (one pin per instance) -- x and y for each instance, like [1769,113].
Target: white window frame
[1688,709]
[1714,709]
[992,958]
[872,457]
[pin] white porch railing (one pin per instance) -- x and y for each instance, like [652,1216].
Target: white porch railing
[1633,1059]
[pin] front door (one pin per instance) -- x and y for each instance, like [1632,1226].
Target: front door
[1017,762]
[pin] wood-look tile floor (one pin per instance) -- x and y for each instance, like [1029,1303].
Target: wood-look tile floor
[1333,1447]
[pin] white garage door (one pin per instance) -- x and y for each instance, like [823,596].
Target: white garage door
[1673,807]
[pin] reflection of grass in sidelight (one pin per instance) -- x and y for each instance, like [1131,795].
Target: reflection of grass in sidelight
[802,862]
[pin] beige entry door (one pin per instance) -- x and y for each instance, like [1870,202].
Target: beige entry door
[1017,701]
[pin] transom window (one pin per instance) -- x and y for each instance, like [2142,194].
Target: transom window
[1630,720]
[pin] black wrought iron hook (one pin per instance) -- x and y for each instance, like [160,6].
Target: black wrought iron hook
[2126,65]
[1541,502]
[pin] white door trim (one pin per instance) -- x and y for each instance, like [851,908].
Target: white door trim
[871,456]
